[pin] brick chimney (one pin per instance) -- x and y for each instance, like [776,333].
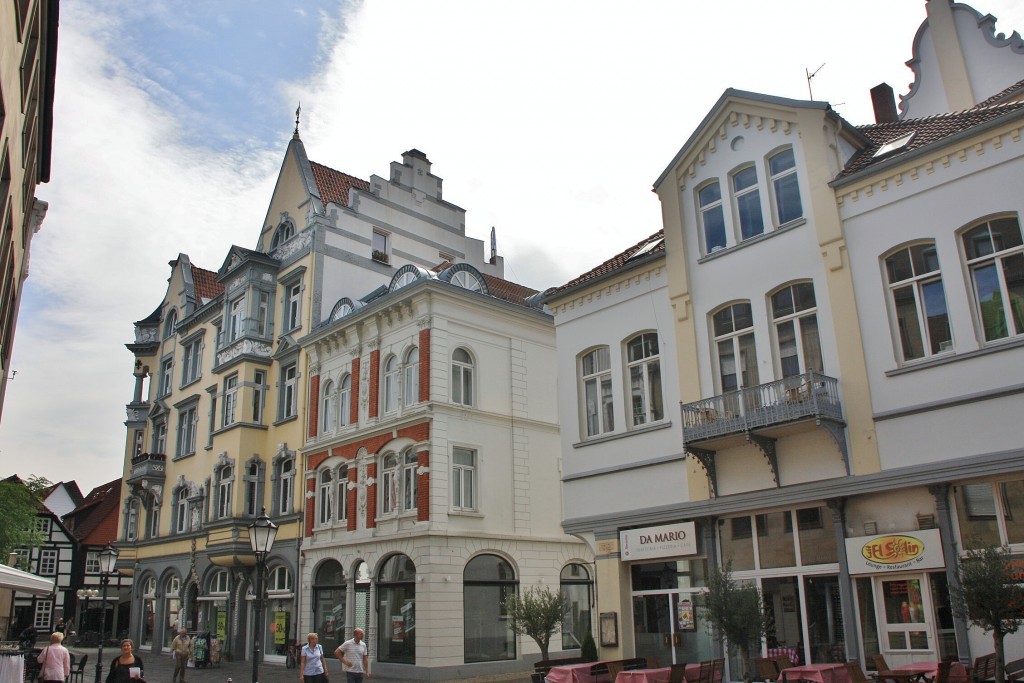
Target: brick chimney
[884,101]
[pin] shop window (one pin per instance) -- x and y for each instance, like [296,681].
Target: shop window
[488,581]
[775,540]
[396,611]
[329,608]
[990,513]
[817,536]
[576,588]
[736,537]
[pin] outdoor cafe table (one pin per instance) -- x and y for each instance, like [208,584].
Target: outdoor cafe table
[576,673]
[819,673]
[957,672]
[645,675]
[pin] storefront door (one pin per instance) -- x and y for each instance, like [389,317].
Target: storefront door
[906,622]
[665,629]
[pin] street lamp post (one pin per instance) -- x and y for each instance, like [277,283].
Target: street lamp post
[84,594]
[262,533]
[108,558]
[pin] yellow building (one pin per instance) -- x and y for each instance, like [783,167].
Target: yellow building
[28,52]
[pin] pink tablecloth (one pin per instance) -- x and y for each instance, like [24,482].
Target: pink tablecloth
[575,673]
[790,651]
[819,673]
[957,672]
[644,676]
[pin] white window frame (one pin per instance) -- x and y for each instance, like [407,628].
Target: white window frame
[324,497]
[48,561]
[236,318]
[166,376]
[708,206]
[225,484]
[741,195]
[341,476]
[777,178]
[181,520]
[463,385]
[259,382]
[293,305]
[736,338]
[411,385]
[252,488]
[43,614]
[915,285]
[279,580]
[289,390]
[380,246]
[996,259]
[230,407]
[464,478]
[345,400]
[410,481]
[800,320]
[597,402]
[160,436]
[192,362]
[287,483]
[329,409]
[643,372]
[391,373]
[188,420]
[389,495]
[131,526]
[220,583]
[263,314]
[92,562]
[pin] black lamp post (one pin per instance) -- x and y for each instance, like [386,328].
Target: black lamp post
[108,558]
[84,594]
[262,533]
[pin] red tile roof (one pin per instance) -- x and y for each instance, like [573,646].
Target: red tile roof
[1016,88]
[94,521]
[508,291]
[206,283]
[334,185]
[926,131]
[614,263]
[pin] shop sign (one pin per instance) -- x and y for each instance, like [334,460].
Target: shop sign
[895,552]
[669,540]
[280,626]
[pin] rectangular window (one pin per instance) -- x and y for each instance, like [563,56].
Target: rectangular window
[747,197]
[785,187]
[381,246]
[230,400]
[160,437]
[259,379]
[236,320]
[597,392]
[187,431]
[131,531]
[166,369]
[191,362]
[289,391]
[712,217]
[263,315]
[293,305]
[995,257]
[463,479]
[92,562]
[44,608]
[918,302]
[47,561]
[42,525]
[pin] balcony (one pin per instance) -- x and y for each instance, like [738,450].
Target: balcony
[762,413]
[148,467]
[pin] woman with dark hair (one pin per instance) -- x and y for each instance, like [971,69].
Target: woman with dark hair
[127,666]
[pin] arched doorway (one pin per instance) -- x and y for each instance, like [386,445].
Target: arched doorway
[396,611]
[329,605]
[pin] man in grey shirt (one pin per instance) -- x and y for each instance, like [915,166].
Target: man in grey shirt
[354,657]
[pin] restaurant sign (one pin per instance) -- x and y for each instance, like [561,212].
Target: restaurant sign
[669,540]
[895,552]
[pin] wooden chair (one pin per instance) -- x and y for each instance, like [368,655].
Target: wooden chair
[766,669]
[635,663]
[78,672]
[707,672]
[783,662]
[537,677]
[855,673]
[984,668]
[1014,671]
[942,672]
[717,669]
[678,674]
[614,668]
[885,673]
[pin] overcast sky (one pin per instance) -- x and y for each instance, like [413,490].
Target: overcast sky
[547,119]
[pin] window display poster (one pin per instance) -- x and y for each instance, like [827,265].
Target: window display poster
[280,627]
[397,628]
[685,616]
[222,624]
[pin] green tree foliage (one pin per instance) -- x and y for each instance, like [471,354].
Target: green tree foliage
[989,596]
[734,614]
[19,502]
[537,613]
[588,649]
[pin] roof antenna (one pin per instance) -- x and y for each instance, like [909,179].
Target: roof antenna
[810,76]
[297,112]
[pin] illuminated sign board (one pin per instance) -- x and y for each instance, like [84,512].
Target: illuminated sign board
[669,540]
[905,551]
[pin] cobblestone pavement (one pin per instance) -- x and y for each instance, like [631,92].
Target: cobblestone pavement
[159,669]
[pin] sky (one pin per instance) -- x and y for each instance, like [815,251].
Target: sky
[547,119]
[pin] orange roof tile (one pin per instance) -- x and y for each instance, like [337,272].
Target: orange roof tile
[206,283]
[615,262]
[334,185]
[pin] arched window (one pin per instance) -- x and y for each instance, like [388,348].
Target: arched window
[329,613]
[487,582]
[462,377]
[409,480]
[389,484]
[149,620]
[596,391]
[712,217]
[576,587]
[391,371]
[279,580]
[396,607]
[324,496]
[285,485]
[399,482]
[795,316]
[345,401]
[734,345]
[172,608]
[285,231]
[170,324]
[995,258]
[411,390]
[644,367]
[918,302]
[329,416]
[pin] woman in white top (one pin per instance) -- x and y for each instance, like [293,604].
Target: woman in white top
[313,664]
[56,660]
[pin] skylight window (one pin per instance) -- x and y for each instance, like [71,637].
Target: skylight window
[894,145]
[646,249]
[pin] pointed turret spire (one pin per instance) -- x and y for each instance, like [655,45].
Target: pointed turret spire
[298,111]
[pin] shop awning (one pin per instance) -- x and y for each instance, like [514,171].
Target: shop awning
[24,582]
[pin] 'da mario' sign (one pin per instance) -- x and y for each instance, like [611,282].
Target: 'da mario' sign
[895,552]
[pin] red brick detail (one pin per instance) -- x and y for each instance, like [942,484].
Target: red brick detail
[356,389]
[314,460]
[425,365]
[423,487]
[314,404]
[374,383]
[310,502]
[353,498]
[371,497]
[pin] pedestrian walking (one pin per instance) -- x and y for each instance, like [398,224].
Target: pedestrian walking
[55,660]
[313,664]
[354,657]
[181,650]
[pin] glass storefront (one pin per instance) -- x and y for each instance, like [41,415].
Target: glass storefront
[577,589]
[667,599]
[487,582]
[329,605]
[396,611]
